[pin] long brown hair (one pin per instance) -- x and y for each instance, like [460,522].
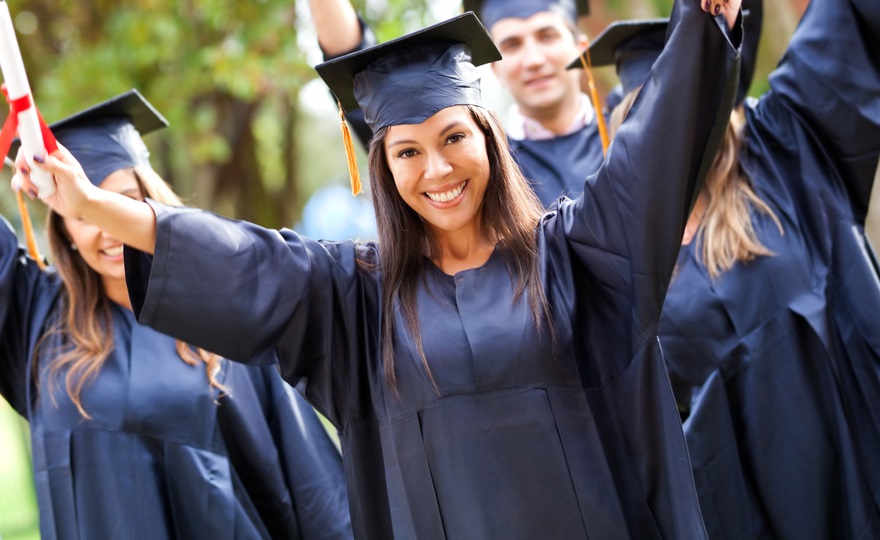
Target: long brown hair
[509,216]
[86,322]
[726,232]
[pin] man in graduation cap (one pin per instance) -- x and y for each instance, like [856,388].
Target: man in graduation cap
[552,125]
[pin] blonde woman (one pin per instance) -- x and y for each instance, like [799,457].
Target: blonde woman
[770,324]
[136,434]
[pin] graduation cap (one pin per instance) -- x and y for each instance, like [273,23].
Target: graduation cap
[492,11]
[409,79]
[107,137]
[632,46]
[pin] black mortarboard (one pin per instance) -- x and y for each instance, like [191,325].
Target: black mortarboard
[107,137]
[408,79]
[632,46]
[492,11]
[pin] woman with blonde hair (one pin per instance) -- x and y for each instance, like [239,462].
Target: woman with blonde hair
[136,434]
[493,370]
[769,328]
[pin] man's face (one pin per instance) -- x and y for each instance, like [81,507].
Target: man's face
[535,53]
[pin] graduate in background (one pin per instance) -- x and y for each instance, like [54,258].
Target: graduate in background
[494,370]
[770,324]
[136,434]
[552,125]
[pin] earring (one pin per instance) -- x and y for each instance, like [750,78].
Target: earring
[73,247]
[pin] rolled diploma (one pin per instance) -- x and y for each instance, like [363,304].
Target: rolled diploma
[17,86]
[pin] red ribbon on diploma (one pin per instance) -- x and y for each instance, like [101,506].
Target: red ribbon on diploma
[7,133]
[10,127]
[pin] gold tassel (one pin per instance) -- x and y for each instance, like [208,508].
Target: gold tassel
[594,97]
[349,153]
[29,231]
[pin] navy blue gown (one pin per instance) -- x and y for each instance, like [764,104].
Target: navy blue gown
[163,456]
[776,363]
[556,167]
[517,441]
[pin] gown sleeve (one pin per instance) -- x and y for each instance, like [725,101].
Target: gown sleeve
[626,228]
[248,293]
[23,290]
[288,452]
[830,77]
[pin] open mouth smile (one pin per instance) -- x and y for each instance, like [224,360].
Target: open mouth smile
[446,196]
[113,252]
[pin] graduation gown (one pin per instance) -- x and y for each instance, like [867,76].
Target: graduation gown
[775,364]
[164,454]
[556,167]
[516,441]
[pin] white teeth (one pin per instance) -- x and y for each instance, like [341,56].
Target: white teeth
[113,252]
[447,196]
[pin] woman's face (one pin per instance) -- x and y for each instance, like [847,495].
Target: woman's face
[441,168]
[99,250]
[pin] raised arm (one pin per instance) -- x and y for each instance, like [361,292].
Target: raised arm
[627,227]
[259,295]
[830,78]
[130,221]
[337,25]
[340,31]
[241,291]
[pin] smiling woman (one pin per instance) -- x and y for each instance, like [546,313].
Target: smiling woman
[134,433]
[441,169]
[494,371]
[100,251]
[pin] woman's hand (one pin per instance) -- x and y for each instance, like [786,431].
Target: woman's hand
[131,221]
[72,188]
[728,8]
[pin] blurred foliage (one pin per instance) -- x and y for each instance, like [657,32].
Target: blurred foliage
[18,512]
